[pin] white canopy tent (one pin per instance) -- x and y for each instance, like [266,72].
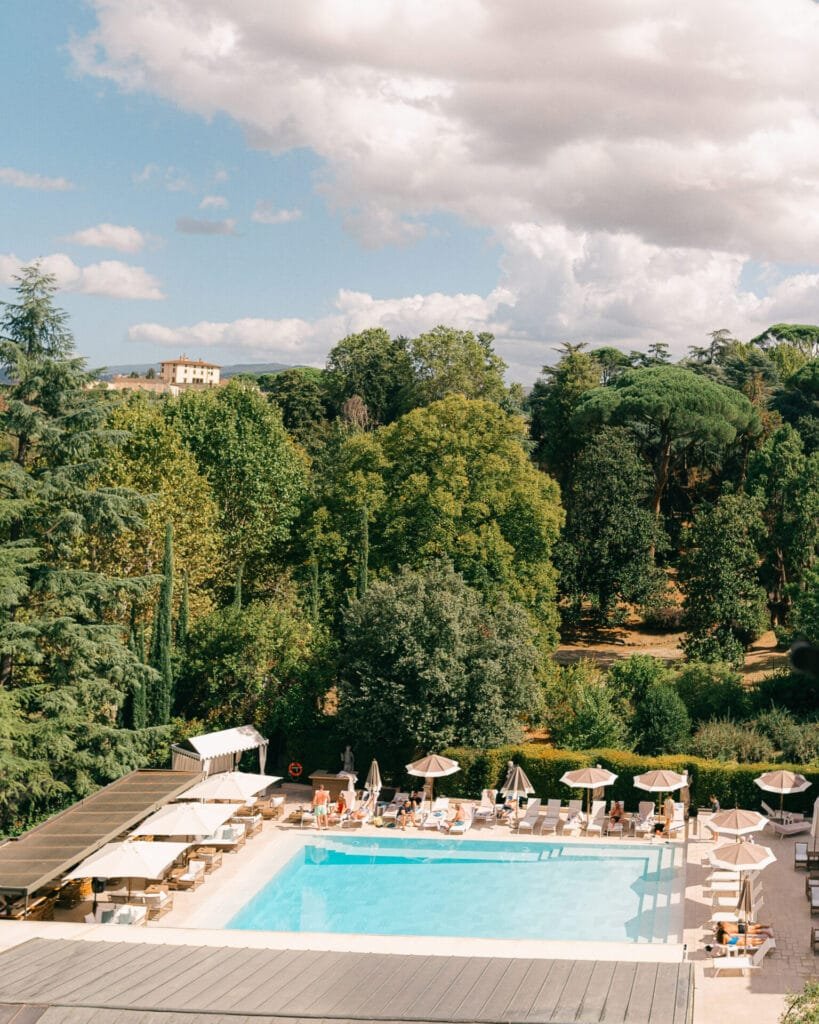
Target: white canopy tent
[186,820]
[218,751]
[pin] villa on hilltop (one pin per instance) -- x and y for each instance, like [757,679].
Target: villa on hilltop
[175,375]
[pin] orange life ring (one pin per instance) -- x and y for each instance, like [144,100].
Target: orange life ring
[294,769]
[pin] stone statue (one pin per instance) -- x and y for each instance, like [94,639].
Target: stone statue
[348,760]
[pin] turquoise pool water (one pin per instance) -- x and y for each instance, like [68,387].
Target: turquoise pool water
[460,887]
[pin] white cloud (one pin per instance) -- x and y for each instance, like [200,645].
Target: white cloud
[213,203]
[630,158]
[22,179]
[170,178]
[266,213]
[197,226]
[110,278]
[110,236]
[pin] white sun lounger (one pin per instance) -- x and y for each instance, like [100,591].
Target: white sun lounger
[790,828]
[800,855]
[485,811]
[552,817]
[438,815]
[390,812]
[529,820]
[457,828]
[645,817]
[574,818]
[742,961]
[594,826]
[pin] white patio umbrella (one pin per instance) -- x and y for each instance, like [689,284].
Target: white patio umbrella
[432,767]
[782,781]
[230,786]
[745,858]
[373,783]
[186,820]
[517,785]
[129,860]
[737,822]
[588,779]
[661,780]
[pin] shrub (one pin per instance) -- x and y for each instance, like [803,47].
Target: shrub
[727,741]
[661,723]
[581,710]
[792,690]
[784,732]
[802,1007]
[712,690]
[632,678]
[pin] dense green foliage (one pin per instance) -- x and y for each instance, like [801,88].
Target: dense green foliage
[383,552]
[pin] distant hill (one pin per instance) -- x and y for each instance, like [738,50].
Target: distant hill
[227,371]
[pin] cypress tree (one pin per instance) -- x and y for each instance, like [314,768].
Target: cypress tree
[364,553]
[184,614]
[162,640]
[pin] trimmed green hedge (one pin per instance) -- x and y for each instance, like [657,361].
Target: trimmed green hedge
[732,784]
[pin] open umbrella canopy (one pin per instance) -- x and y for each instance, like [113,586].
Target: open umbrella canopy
[588,778]
[433,766]
[230,786]
[741,857]
[186,820]
[737,822]
[129,860]
[782,781]
[660,781]
[517,783]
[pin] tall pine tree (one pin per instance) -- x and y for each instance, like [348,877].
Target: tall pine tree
[162,640]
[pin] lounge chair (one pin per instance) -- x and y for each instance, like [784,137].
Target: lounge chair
[742,961]
[552,817]
[814,899]
[251,822]
[390,812]
[438,814]
[529,820]
[357,812]
[597,819]
[645,818]
[457,828]
[800,855]
[226,837]
[159,903]
[790,828]
[189,877]
[575,818]
[485,811]
[272,808]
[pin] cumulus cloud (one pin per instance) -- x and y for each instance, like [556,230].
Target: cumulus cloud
[170,178]
[197,226]
[266,213]
[110,236]
[213,203]
[630,158]
[110,278]
[22,179]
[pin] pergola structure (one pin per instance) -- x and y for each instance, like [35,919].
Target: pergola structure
[219,751]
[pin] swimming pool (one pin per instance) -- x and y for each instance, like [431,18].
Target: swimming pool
[455,887]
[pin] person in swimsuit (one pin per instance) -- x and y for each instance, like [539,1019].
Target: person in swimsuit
[321,798]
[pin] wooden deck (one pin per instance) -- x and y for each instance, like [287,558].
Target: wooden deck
[78,982]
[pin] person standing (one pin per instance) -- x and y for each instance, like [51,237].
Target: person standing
[321,798]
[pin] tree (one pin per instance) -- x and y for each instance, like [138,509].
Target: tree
[554,399]
[582,712]
[805,616]
[66,671]
[802,337]
[374,367]
[605,549]
[162,640]
[712,690]
[661,723]
[446,361]
[787,483]
[612,362]
[424,663]
[364,554]
[457,483]
[725,607]
[672,414]
[257,474]
[301,395]
[798,403]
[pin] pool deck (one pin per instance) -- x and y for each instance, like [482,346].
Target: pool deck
[198,917]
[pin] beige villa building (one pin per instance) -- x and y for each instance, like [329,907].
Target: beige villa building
[184,371]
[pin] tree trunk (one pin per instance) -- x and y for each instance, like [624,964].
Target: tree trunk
[661,473]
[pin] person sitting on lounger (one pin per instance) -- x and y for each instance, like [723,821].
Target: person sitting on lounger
[406,814]
[616,813]
[741,928]
[457,819]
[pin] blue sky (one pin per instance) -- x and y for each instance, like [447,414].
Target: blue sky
[250,182]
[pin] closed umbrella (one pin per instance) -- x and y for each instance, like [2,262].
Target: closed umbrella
[814,825]
[517,785]
[661,780]
[782,782]
[186,820]
[431,767]
[373,783]
[230,786]
[737,822]
[588,779]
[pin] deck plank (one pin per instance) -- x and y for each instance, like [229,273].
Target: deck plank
[618,996]
[593,1003]
[642,994]
[550,991]
[574,991]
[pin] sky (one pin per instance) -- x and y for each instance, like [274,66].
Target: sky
[248,181]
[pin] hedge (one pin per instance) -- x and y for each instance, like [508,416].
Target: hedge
[732,784]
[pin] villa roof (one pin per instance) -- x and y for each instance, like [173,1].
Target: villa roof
[184,361]
[151,983]
[46,851]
